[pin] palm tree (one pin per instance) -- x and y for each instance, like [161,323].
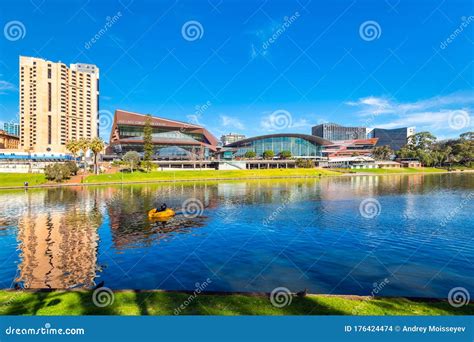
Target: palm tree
[96,146]
[73,147]
[83,145]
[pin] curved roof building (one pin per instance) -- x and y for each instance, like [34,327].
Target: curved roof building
[300,145]
[188,141]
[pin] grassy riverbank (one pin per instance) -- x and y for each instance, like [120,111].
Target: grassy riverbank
[166,303]
[400,170]
[205,174]
[18,179]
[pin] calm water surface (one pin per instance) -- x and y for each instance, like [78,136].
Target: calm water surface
[251,236]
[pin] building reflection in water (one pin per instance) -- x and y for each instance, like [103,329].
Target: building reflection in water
[58,239]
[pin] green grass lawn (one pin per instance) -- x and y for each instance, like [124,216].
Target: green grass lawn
[18,179]
[400,170]
[166,303]
[205,174]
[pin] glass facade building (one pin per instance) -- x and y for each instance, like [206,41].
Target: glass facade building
[394,138]
[332,132]
[300,145]
[171,139]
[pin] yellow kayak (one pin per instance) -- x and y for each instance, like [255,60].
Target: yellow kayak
[168,213]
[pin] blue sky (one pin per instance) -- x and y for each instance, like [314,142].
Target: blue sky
[258,67]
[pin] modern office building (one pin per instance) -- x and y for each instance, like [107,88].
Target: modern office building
[230,138]
[12,128]
[57,104]
[395,138]
[350,148]
[8,141]
[332,132]
[171,139]
[300,145]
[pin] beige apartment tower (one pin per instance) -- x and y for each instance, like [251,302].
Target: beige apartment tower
[57,104]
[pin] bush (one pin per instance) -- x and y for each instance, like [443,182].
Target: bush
[72,166]
[304,164]
[57,172]
[285,154]
[147,165]
[268,154]
[250,154]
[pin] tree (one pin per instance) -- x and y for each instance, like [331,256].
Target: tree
[285,154]
[72,166]
[73,147]
[83,145]
[382,152]
[421,141]
[268,154]
[147,144]
[250,154]
[96,146]
[467,136]
[57,172]
[131,158]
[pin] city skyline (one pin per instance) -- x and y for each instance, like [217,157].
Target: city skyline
[235,69]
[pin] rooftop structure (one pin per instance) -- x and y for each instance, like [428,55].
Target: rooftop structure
[349,148]
[332,132]
[171,139]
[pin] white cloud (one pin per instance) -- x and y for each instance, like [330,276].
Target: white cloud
[231,122]
[6,86]
[433,114]
[427,120]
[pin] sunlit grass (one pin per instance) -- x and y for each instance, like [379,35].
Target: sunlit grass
[166,303]
[18,179]
[207,174]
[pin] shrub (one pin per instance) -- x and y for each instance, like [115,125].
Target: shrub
[268,154]
[304,164]
[72,166]
[57,172]
[147,165]
[285,154]
[250,154]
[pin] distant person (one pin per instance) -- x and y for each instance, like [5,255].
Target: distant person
[162,208]
[26,184]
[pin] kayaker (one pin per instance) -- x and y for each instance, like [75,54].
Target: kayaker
[163,207]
